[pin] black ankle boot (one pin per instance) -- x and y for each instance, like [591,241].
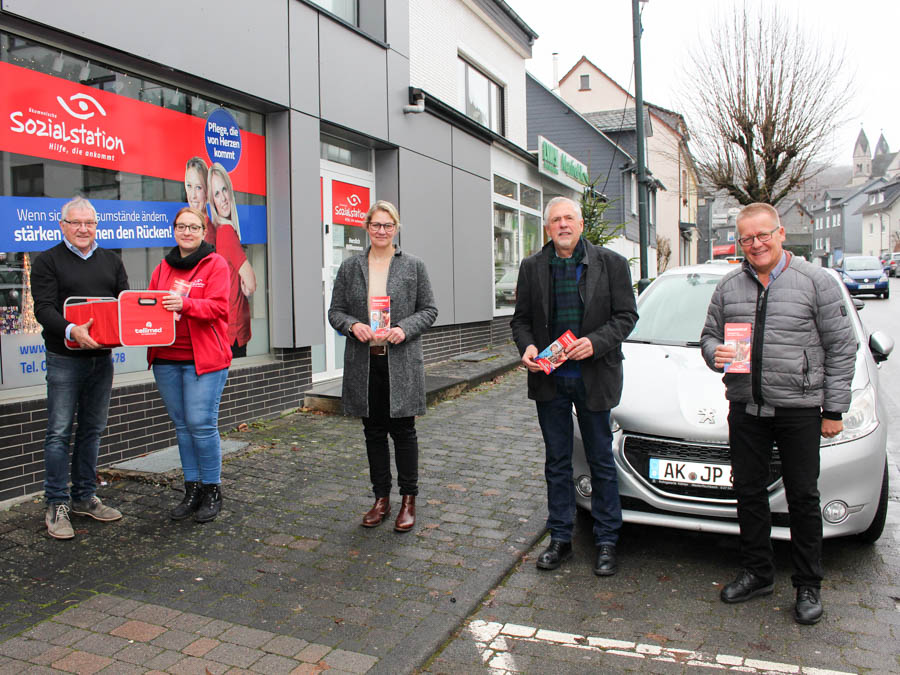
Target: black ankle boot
[191,502]
[211,504]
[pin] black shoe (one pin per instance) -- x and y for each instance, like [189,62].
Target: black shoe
[746,586]
[193,496]
[211,504]
[554,555]
[606,564]
[808,609]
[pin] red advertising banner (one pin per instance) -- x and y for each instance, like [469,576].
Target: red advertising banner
[46,116]
[349,203]
[723,249]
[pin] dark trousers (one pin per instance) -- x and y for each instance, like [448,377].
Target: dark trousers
[378,425]
[555,417]
[751,440]
[77,387]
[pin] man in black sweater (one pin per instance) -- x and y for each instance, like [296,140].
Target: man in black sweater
[79,381]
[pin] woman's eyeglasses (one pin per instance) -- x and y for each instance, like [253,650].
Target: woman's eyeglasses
[387,227]
[181,227]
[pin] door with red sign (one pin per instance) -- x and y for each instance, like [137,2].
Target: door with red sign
[346,197]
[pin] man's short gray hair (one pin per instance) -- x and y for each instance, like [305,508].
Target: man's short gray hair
[562,200]
[757,208]
[78,202]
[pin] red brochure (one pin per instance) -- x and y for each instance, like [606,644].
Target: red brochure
[739,336]
[554,355]
[380,315]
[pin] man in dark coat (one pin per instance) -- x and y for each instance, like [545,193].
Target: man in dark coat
[573,285]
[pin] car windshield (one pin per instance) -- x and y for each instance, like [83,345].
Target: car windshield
[861,263]
[673,310]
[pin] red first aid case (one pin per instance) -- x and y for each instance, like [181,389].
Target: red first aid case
[104,312]
[143,321]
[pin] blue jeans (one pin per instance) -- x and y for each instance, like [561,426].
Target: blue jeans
[555,417]
[193,404]
[76,386]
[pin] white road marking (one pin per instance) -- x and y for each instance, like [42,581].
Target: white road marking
[494,642]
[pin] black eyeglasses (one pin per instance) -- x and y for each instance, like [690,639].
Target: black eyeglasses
[387,227]
[181,227]
[762,237]
[78,224]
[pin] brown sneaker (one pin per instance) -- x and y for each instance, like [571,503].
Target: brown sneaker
[94,508]
[58,524]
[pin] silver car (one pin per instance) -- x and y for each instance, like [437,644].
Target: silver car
[670,439]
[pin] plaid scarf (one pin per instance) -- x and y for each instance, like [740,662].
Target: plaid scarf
[568,307]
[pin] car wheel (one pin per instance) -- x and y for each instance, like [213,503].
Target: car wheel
[886,295]
[871,535]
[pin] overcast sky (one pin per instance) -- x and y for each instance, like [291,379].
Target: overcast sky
[602,31]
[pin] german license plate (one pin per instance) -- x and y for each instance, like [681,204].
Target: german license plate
[690,473]
[866,287]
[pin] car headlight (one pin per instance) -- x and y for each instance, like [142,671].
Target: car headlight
[860,420]
[884,277]
[847,277]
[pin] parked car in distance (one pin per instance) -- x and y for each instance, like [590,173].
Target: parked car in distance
[892,263]
[670,440]
[505,288]
[864,275]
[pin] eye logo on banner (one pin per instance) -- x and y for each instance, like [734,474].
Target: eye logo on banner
[223,139]
[349,203]
[82,104]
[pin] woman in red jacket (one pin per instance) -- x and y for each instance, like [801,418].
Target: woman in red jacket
[191,372]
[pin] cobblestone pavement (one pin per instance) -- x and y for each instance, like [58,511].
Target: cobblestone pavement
[661,613]
[285,580]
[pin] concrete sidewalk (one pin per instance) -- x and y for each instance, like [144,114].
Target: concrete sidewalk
[286,580]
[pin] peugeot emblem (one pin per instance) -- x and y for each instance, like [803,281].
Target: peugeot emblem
[707,415]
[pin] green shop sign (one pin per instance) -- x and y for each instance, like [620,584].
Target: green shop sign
[562,166]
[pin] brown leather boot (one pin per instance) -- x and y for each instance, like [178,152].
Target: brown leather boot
[407,516]
[378,512]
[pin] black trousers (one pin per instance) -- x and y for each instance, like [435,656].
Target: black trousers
[378,425]
[752,439]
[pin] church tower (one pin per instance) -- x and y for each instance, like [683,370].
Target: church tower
[862,159]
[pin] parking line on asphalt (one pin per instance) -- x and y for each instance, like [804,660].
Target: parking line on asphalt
[493,641]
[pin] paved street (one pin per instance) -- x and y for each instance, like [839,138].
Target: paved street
[661,613]
[286,581]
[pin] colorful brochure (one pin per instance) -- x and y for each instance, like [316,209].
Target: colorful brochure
[739,336]
[553,356]
[380,315]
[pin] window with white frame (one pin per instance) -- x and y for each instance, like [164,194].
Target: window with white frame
[585,82]
[480,97]
[517,235]
[348,10]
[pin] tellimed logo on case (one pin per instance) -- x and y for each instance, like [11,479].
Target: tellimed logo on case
[148,329]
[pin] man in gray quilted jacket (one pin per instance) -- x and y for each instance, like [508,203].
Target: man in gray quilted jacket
[801,366]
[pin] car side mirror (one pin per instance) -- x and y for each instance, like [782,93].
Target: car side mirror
[859,304]
[881,345]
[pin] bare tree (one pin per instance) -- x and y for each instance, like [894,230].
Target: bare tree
[765,97]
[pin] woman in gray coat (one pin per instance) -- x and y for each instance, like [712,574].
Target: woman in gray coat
[384,375]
